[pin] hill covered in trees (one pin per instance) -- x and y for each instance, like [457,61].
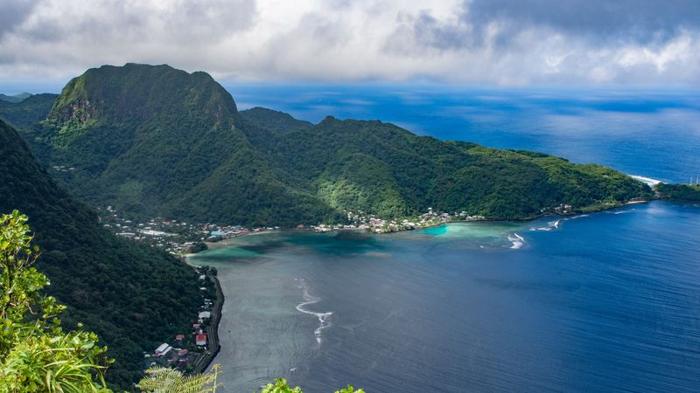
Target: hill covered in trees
[132,296]
[14,98]
[156,141]
[384,169]
[679,192]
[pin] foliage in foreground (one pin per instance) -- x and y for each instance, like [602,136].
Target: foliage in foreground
[281,386]
[36,355]
[165,380]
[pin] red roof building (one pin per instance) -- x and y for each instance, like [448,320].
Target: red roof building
[201,339]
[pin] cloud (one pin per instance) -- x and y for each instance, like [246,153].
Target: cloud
[13,13]
[503,42]
[613,21]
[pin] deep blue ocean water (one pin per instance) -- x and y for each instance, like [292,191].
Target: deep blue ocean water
[608,302]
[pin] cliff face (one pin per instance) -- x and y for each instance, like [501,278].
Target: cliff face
[78,112]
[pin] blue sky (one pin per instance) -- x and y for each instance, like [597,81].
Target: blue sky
[460,42]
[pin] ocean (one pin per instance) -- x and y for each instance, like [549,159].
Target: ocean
[607,302]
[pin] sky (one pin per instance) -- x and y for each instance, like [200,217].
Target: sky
[43,43]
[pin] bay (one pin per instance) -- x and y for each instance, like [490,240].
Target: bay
[608,302]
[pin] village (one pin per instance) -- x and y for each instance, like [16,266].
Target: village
[359,221]
[176,237]
[181,238]
[192,351]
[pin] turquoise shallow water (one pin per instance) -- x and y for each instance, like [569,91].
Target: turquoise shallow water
[601,303]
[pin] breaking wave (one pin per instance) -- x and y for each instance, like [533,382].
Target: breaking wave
[552,225]
[323,317]
[516,240]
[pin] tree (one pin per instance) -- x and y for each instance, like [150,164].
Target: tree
[36,355]
[281,386]
[166,380]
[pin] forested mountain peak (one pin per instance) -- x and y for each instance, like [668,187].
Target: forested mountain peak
[139,92]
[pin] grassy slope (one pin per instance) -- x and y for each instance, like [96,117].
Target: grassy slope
[132,296]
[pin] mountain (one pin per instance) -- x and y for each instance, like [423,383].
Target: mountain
[15,98]
[384,169]
[275,122]
[26,116]
[26,113]
[153,140]
[156,141]
[133,296]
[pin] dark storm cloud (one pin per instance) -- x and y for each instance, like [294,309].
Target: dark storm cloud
[442,35]
[13,13]
[639,21]
[603,22]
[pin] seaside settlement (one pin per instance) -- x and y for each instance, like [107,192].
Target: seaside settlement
[180,238]
[192,351]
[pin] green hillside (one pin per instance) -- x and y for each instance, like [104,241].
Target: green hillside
[28,112]
[278,123]
[679,192]
[133,296]
[381,168]
[156,141]
[14,98]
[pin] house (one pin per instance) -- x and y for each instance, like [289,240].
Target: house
[201,339]
[204,315]
[163,349]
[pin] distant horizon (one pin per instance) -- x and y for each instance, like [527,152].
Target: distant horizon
[55,87]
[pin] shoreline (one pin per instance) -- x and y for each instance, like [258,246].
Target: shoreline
[213,344]
[585,210]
